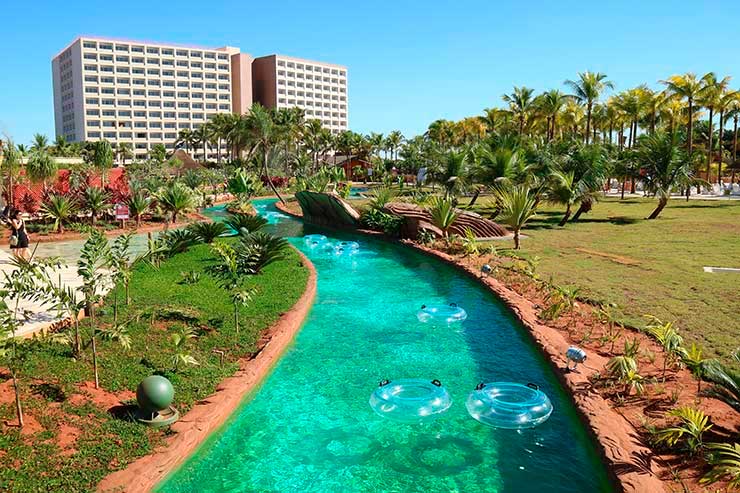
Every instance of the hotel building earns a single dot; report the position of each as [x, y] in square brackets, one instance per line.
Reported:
[144, 93]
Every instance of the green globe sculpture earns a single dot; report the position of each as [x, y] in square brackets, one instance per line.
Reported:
[155, 395]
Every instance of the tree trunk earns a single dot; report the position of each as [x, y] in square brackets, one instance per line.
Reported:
[709, 146]
[691, 126]
[588, 120]
[624, 184]
[565, 217]
[269, 180]
[236, 318]
[475, 197]
[719, 146]
[95, 359]
[18, 405]
[661, 204]
[586, 206]
[734, 149]
[516, 239]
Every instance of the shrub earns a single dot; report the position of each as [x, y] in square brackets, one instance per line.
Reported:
[208, 231]
[245, 222]
[378, 220]
[60, 209]
[693, 424]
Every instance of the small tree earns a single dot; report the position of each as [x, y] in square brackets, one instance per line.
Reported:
[91, 267]
[443, 215]
[668, 337]
[139, 201]
[231, 270]
[60, 209]
[122, 264]
[175, 199]
[179, 343]
[692, 426]
[95, 201]
[102, 158]
[517, 206]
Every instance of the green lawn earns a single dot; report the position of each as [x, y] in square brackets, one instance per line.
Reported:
[160, 305]
[650, 267]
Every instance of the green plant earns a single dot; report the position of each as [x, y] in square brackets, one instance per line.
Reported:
[381, 196]
[189, 277]
[726, 383]
[95, 201]
[60, 208]
[122, 264]
[470, 243]
[208, 231]
[378, 220]
[139, 201]
[94, 259]
[607, 315]
[425, 237]
[725, 461]
[517, 206]
[669, 339]
[178, 241]
[692, 426]
[180, 340]
[261, 249]
[245, 222]
[443, 215]
[632, 348]
[620, 366]
[175, 199]
[694, 360]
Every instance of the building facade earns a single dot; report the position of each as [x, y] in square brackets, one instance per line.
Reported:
[320, 89]
[145, 93]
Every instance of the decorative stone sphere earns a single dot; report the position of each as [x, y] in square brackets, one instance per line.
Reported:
[155, 393]
[576, 354]
[486, 269]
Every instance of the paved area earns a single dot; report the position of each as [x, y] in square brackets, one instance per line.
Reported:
[38, 316]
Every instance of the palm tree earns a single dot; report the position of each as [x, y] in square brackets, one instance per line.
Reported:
[9, 167]
[184, 137]
[710, 98]
[40, 142]
[665, 165]
[202, 135]
[138, 202]
[175, 198]
[41, 167]
[102, 159]
[521, 103]
[454, 174]
[443, 214]
[689, 87]
[125, 151]
[587, 89]
[264, 135]
[393, 143]
[95, 201]
[550, 103]
[517, 205]
[60, 208]
[734, 113]
[725, 104]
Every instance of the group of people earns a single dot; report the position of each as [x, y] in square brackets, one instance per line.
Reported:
[13, 218]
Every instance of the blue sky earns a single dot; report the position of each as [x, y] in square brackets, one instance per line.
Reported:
[409, 62]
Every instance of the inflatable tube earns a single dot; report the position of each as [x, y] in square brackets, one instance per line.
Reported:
[509, 405]
[441, 313]
[348, 245]
[410, 400]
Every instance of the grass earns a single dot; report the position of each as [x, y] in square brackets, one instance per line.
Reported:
[649, 267]
[160, 305]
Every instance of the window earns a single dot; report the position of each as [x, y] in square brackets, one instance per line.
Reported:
[91, 68]
[152, 50]
[91, 90]
[90, 44]
[92, 112]
[184, 115]
[93, 123]
[167, 51]
[122, 59]
[121, 47]
[124, 113]
[123, 80]
[152, 61]
[137, 60]
[138, 71]
[182, 52]
[90, 56]
[139, 114]
[137, 49]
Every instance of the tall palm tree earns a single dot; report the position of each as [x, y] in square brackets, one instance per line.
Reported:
[734, 113]
[201, 136]
[521, 103]
[725, 104]
[631, 103]
[550, 103]
[710, 98]
[687, 86]
[652, 102]
[587, 89]
[312, 131]
[264, 135]
[393, 143]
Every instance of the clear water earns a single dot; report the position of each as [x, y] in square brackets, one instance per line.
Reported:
[309, 427]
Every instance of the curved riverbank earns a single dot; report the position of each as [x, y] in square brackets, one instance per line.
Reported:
[617, 439]
[209, 414]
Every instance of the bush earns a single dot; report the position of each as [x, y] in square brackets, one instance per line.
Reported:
[378, 220]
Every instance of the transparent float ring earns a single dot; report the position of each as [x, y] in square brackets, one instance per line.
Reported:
[410, 400]
[349, 245]
[441, 313]
[509, 405]
[314, 239]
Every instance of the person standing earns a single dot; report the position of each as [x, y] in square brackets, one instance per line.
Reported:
[18, 236]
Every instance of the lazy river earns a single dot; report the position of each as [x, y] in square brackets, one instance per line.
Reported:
[309, 427]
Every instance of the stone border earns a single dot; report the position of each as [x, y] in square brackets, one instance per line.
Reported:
[210, 413]
[628, 461]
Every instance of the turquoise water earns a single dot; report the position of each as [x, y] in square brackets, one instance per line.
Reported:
[309, 427]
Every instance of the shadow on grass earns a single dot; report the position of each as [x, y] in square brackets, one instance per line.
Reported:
[551, 220]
